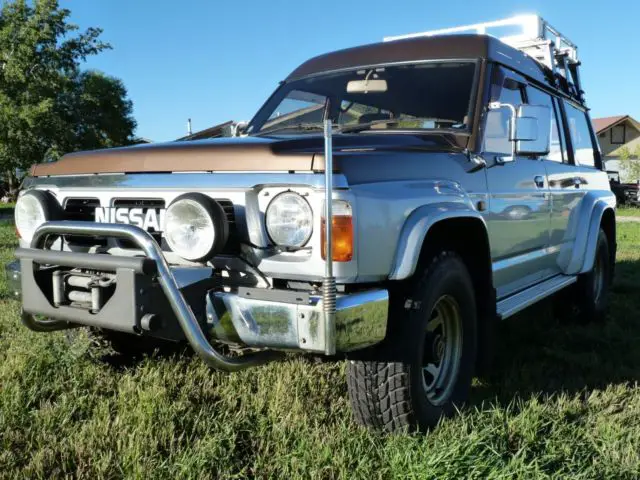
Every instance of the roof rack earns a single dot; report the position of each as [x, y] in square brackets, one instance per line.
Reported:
[536, 38]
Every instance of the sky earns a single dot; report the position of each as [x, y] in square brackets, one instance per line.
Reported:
[218, 60]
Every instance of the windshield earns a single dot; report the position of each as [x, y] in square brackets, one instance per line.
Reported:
[427, 96]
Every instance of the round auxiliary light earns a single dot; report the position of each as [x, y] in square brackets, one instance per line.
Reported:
[34, 208]
[289, 220]
[195, 227]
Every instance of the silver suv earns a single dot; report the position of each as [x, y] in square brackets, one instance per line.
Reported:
[460, 175]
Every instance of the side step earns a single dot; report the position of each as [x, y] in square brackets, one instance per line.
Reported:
[515, 303]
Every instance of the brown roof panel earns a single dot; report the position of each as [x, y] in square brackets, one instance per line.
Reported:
[411, 50]
[445, 47]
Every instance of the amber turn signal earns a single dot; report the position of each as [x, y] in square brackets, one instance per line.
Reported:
[342, 233]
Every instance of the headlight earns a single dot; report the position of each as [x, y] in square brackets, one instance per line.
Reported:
[289, 220]
[196, 227]
[33, 209]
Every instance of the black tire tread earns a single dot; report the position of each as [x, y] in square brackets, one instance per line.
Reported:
[380, 392]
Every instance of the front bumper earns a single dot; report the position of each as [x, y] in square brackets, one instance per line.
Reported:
[240, 318]
[149, 298]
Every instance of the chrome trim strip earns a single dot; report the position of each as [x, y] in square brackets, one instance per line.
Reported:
[526, 257]
[221, 181]
[167, 281]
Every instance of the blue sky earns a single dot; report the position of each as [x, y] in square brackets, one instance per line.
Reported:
[215, 60]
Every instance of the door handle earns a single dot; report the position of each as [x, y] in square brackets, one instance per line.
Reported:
[539, 181]
[577, 182]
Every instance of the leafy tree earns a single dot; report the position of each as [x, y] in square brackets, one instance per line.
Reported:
[48, 106]
[95, 113]
[630, 163]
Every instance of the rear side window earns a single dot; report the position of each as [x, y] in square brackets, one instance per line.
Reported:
[578, 125]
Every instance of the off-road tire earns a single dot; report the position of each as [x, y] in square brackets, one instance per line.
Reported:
[590, 300]
[388, 391]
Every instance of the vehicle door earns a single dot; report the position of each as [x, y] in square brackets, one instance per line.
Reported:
[564, 188]
[519, 205]
[586, 174]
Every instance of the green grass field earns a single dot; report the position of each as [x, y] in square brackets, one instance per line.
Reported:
[628, 211]
[563, 402]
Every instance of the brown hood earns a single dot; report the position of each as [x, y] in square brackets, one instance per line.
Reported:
[303, 153]
[247, 154]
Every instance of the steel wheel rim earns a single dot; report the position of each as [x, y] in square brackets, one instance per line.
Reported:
[598, 281]
[443, 350]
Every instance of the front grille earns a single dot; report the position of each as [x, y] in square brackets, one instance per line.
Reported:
[229, 211]
[233, 244]
[82, 209]
[144, 203]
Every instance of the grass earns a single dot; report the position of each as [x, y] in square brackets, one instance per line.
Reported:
[563, 401]
[628, 211]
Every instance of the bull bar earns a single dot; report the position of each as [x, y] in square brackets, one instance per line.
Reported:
[183, 313]
[272, 320]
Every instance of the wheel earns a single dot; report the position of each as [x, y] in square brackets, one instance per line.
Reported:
[424, 369]
[592, 288]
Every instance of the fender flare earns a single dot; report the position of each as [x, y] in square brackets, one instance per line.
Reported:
[578, 256]
[415, 230]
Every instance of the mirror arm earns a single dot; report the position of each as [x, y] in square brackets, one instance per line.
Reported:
[512, 122]
[477, 162]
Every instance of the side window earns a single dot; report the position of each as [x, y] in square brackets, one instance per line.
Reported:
[496, 136]
[557, 152]
[578, 125]
[297, 107]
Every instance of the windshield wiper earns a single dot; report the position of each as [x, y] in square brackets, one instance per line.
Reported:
[305, 127]
[368, 126]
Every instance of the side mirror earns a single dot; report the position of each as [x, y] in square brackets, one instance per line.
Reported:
[531, 130]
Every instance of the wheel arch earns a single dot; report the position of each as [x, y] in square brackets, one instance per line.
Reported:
[464, 232]
[608, 224]
[577, 257]
[422, 224]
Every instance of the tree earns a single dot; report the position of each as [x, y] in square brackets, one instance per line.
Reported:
[630, 163]
[94, 113]
[48, 105]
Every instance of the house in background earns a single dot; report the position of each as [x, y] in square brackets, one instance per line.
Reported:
[614, 134]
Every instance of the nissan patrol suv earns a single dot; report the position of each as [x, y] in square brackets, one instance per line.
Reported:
[387, 205]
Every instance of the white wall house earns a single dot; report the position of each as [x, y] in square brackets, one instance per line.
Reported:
[615, 133]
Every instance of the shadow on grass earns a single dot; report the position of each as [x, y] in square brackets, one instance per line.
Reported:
[541, 354]
[125, 355]
[120, 362]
